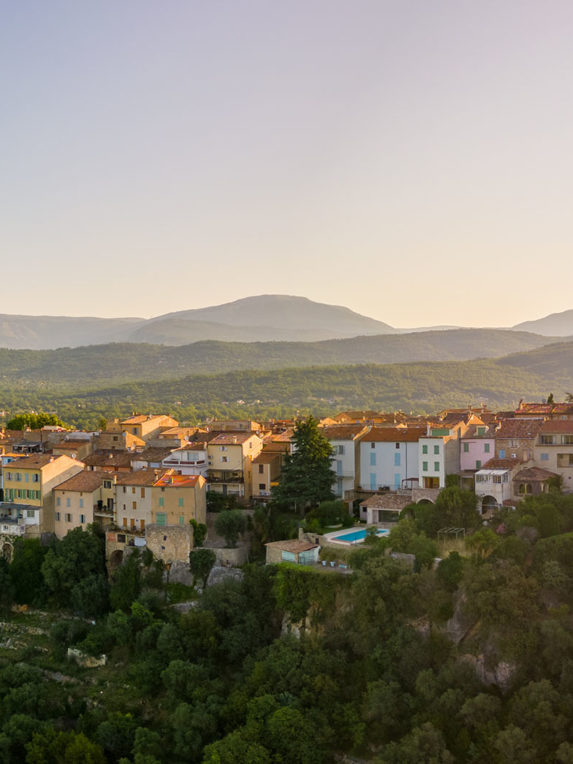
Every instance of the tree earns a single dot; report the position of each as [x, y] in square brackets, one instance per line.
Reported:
[200, 563]
[230, 524]
[126, 584]
[6, 586]
[306, 478]
[53, 747]
[34, 421]
[199, 532]
[26, 571]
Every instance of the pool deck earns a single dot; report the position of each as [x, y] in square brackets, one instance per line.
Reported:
[334, 537]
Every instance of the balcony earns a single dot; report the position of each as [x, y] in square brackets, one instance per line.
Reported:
[12, 526]
[225, 476]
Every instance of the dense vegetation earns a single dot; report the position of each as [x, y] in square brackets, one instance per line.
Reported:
[421, 388]
[122, 362]
[470, 660]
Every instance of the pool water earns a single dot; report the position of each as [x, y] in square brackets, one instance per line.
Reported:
[360, 535]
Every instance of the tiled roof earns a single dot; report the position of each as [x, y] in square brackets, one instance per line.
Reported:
[151, 455]
[109, 458]
[267, 457]
[519, 428]
[472, 432]
[557, 426]
[37, 461]
[343, 431]
[139, 477]
[535, 474]
[501, 464]
[231, 438]
[86, 481]
[292, 545]
[177, 481]
[397, 434]
[392, 501]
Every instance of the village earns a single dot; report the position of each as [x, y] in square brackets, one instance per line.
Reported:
[147, 481]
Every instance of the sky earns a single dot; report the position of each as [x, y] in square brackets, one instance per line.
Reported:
[408, 159]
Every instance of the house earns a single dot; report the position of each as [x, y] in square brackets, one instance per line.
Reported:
[516, 438]
[439, 449]
[533, 481]
[388, 457]
[148, 426]
[81, 500]
[75, 448]
[230, 456]
[345, 441]
[494, 483]
[150, 458]
[109, 461]
[544, 410]
[190, 459]
[477, 446]
[554, 449]
[384, 508]
[114, 438]
[292, 550]
[30, 481]
[177, 499]
[133, 499]
[266, 469]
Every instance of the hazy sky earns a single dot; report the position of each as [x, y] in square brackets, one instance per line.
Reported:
[412, 160]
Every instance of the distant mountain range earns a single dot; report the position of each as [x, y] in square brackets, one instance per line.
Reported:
[122, 362]
[264, 318]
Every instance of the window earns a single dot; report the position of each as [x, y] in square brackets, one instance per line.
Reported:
[502, 453]
[35, 478]
[142, 493]
[134, 505]
[26, 476]
[397, 445]
[546, 440]
[38, 495]
[180, 501]
[396, 460]
[486, 448]
[262, 486]
[9, 476]
[181, 520]
[373, 445]
[30, 513]
[68, 502]
[58, 502]
[568, 440]
[68, 518]
[261, 469]
[424, 449]
[224, 458]
[436, 449]
[161, 518]
[373, 459]
[124, 489]
[58, 517]
[340, 450]
[478, 464]
[372, 481]
[397, 481]
[466, 447]
[222, 448]
[544, 457]
[161, 501]
[82, 519]
[81, 503]
[339, 466]
[424, 466]
[132, 489]
[436, 466]
[107, 483]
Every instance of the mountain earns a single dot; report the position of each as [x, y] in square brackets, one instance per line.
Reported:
[121, 362]
[555, 325]
[62, 331]
[252, 319]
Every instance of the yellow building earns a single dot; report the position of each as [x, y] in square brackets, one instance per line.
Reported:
[148, 426]
[230, 457]
[81, 500]
[31, 481]
[177, 499]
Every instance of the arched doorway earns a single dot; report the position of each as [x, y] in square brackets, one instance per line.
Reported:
[488, 504]
[7, 551]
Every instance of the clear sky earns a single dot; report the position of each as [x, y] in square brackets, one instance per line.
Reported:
[411, 159]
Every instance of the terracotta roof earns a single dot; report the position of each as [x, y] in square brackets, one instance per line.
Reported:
[267, 457]
[391, 434]
[231, 438]
[472, 432]
[500, 464]
[292, 545]
[343, 431]
[139, 477]
[564, 426]
[86, 481]
[175, 480]
[37, 461]
[109, 458]
[391, 501]
[519, 428]
[152, 454]
[535, 474]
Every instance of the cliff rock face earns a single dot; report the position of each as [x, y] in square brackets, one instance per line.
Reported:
[460, 623]
[500, 675]
[219, 574]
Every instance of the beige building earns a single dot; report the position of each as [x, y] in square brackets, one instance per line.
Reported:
[83, 499]
[148, 426]
[553, 450]
[114, 437]
[177, 499]
[230, 457]
[266, 469]
[133, 492]
[31, 482]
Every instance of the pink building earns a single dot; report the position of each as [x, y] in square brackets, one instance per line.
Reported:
[477, 446]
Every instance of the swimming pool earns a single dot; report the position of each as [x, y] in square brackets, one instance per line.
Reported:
[355, 537]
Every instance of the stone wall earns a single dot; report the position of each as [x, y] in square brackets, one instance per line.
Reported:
[170, 543]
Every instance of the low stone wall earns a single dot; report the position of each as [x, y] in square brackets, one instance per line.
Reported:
[170, 543]
[231, 558]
